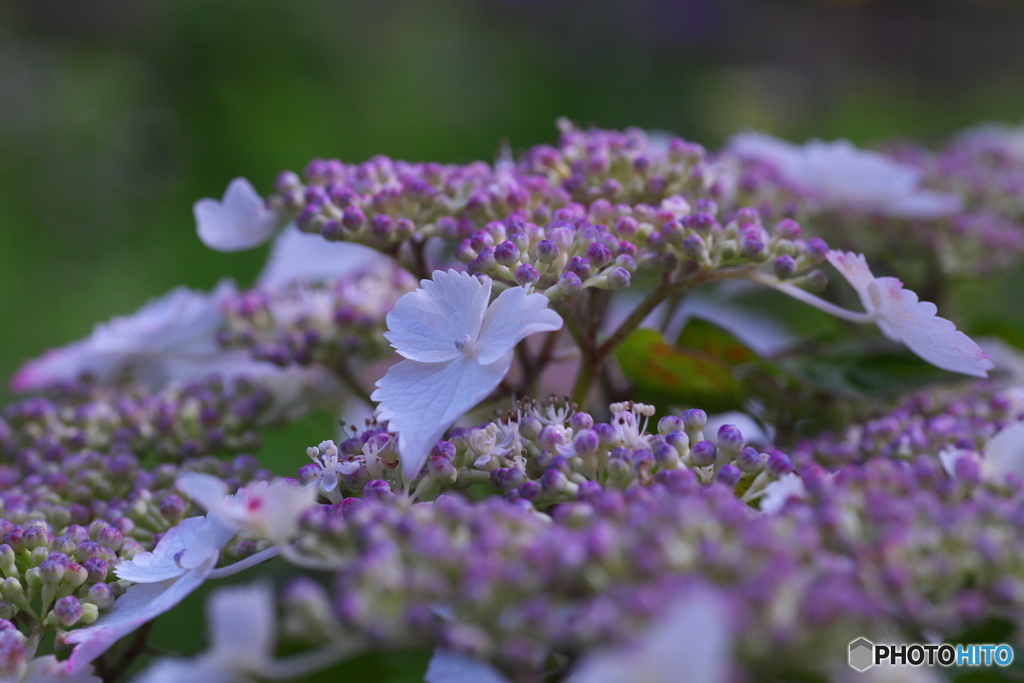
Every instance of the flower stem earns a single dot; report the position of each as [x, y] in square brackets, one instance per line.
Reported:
[242, 565]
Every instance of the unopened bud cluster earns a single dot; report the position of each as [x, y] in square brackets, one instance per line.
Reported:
[182, 421]
[306, 323]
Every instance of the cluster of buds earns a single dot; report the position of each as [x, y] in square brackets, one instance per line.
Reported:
[182, 421]
[62, 580]
[547, 452]
[497, 580]
[603, 246]
[922, 424]
[325, 323]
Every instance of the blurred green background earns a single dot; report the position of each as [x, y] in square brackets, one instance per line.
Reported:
[116, 116]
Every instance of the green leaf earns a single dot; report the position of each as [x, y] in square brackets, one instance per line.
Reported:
[664, 375]
[854, 371]
[707, 337]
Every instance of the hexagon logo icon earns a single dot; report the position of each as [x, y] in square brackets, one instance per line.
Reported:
[862, 654]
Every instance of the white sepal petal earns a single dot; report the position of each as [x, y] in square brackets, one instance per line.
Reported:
[514, 316]
[241, 220]
[424, 324]
[420, 401]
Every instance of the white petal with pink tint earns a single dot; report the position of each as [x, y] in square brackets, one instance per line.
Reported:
[905, 319]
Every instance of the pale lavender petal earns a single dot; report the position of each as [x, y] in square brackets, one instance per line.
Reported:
[241, 625]
[241, 220]
[424, 324]
[915, 323]
[420, 401]
[300, 256]
[514, 316]
[451, 667]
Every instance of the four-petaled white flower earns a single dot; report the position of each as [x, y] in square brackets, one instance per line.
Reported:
[180, 563]
[838, 175]
[456, 350]
[156, 343]
[240, 621]
[241, 220]
[905, 319]
[269, 511]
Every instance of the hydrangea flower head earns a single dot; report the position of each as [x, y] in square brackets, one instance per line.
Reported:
[841, 176]
[241, 220]
[905, 319]
[152, 341]
[456, 349]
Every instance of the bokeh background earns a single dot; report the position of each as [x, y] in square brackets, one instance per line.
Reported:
[116, 116]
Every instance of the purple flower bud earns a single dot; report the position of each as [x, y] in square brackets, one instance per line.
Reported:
[729, 475]
[619, 279]
[701, 221]
[705, 205]
[666, 456]
[383, 227]
[96, 569]
[580, 266]
[110, 538]
[68, 610]
[730, 440]
[585, 442]
[778, 464]
[100, 595]
[750, 460]
[285, 181]
[626, 226]
[788, 229]
[817, 249]
[75, 575]
[445, 449]
[547, 251]
[599, 254]
[694, 419]
[748, 215]
[581, 420]
[506, 253]
[353, 218]
[377, 489]
[35, 537]
[526, 274]
[784, 267]
[442, 470]
[695, 248]
[554, 482]
[51, 571]
[530, 427]
[703, 454]
[753, 247]
[671, 423]
[569, 284]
